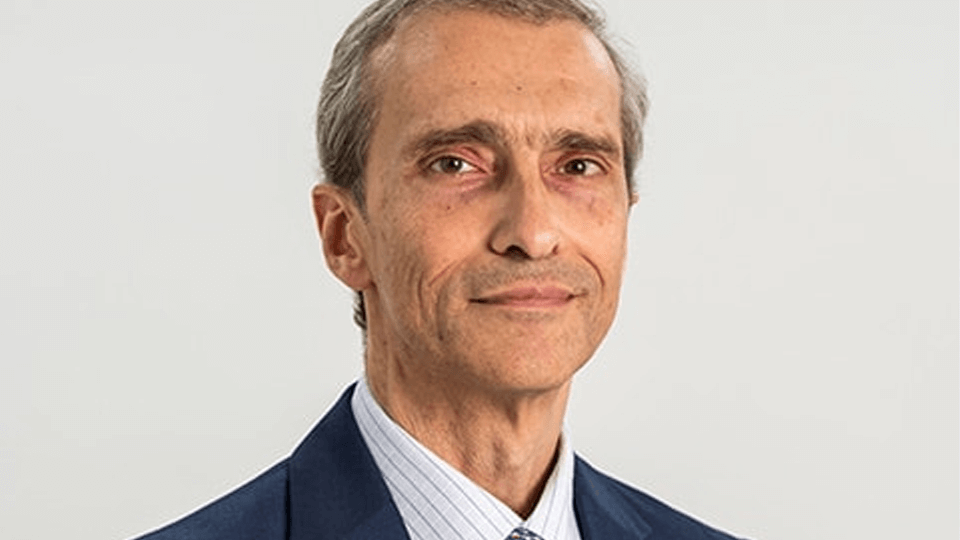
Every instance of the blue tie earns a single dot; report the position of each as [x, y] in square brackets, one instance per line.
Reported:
[523, 534]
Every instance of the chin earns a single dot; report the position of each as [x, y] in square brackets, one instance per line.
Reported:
[532, 352]
[523, 367]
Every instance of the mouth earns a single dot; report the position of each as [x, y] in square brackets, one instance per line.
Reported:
[529, 297]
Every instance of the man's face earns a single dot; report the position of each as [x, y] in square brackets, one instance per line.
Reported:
[496, 201]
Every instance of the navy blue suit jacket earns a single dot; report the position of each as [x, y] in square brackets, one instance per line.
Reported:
[330, 488]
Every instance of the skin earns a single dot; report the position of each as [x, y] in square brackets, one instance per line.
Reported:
[492, 249]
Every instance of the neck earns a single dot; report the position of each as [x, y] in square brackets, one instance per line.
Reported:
[506, 441]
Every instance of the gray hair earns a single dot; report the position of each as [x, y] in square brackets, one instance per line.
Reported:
[348, 102]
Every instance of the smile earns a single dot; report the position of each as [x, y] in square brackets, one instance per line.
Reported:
[529, 297]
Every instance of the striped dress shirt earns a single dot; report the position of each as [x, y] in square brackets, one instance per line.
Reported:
[437, 502]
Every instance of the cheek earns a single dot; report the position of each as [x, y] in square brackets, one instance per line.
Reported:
[600, 224]
[397, 263]
[600, 237]
[418, 253]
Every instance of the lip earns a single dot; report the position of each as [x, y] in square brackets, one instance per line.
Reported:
[529, 297]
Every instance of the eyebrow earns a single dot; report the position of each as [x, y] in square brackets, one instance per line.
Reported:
[480, 132]
[576, 140]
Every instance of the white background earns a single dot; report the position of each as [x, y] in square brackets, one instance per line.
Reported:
[785, 360]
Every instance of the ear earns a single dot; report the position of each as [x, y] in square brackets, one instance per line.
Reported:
[343, 233]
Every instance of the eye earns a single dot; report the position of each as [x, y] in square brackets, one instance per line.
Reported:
[581, 167]
[451, 165]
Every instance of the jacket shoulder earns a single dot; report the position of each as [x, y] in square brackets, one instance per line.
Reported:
[626, 504]
[256, 510]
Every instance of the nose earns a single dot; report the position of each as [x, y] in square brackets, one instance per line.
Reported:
[528, 226]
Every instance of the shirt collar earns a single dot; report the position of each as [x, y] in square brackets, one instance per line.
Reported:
[438, 502]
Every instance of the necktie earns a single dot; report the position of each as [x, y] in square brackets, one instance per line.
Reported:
[523, 534]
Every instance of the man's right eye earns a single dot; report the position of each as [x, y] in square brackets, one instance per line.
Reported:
[451, 165]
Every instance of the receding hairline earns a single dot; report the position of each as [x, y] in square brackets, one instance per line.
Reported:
[377, 58]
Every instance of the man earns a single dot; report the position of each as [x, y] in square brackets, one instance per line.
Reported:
[478, 157]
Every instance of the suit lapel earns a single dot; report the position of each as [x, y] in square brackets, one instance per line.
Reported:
[336, 490]
[601, 513]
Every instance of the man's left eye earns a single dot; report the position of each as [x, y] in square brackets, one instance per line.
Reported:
[581, 167]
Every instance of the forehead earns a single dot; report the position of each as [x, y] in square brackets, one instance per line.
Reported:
[459, 31]
[454, 66]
